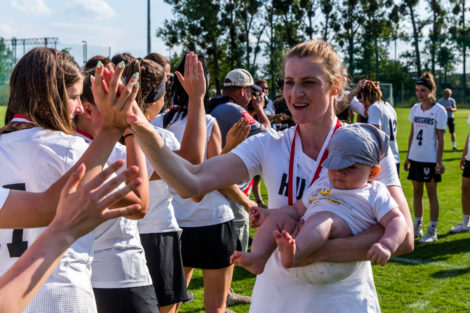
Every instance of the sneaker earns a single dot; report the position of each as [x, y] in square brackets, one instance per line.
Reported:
[459, 228]
[455, 149]
[418, 230]
[235, 299]
[189, 297]
[431, 235]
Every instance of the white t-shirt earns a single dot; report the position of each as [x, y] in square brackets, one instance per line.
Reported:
[119, 260]
[357, 107]
[360, 208]
[3, 196]
[384, 115]
[268, 155]
[468, 152]
[160, 217]
[32, 160]
[214, 208]
[425, 124]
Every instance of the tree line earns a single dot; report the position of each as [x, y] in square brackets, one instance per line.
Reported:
[254, 35]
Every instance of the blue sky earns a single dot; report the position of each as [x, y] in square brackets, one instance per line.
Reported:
[119, 24]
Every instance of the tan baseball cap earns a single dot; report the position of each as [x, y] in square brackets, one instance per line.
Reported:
[239, 78]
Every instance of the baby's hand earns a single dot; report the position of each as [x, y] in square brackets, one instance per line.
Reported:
[379, 253]
[257, 216]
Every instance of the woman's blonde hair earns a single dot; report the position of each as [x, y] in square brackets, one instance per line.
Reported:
[38, 86]
[334, 70]
[371, 92]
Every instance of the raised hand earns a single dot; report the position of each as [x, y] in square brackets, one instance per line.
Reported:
[237, 134]
[193, 81]
[81, 209]
[113, 100]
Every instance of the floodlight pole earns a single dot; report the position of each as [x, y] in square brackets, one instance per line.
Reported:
[85, 50]
[149, 45]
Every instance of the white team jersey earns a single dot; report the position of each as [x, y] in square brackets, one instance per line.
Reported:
[32, 160]
[384, 115]
[360, 208]
[425, 124]
[119, 259]
[160, 217]
[214, 208]
[267, 155]
[3, 196]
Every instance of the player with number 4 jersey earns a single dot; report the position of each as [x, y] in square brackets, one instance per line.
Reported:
[425, 149]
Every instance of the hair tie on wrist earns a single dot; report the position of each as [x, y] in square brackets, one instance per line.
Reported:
[128, 135]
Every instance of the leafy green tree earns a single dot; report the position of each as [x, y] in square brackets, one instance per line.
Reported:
[6, 61]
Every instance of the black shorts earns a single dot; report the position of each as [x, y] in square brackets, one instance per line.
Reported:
[165, 264]
[423, 172]
[125, 300]
[208, 247]
[451, 124]
[466, 169]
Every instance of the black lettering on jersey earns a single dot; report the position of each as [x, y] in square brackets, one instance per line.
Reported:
[300, 190]
[284, 186]
[17, 246]
[423, 120]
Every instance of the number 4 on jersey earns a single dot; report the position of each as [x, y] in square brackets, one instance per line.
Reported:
[419, 137]
[17, 246]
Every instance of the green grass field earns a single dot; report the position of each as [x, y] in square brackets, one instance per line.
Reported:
[434, 278]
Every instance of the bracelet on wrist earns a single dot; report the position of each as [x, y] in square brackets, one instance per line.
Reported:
[128, 135]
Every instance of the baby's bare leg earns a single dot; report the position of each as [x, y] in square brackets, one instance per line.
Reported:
[264, 243]
[316, 230]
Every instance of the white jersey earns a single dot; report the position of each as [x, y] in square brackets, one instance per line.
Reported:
[268, 155]
[425, 124]
[360, 208]
[119, 260]
[214, 208]
[384, 115]
[3, 196]
[160, 217]
[32, 160]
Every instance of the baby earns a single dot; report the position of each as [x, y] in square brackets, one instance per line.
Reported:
[341, 204]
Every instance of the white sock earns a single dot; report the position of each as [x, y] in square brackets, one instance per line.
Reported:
[418, 220]
[453, 144]
[433, 224]
[466, 218]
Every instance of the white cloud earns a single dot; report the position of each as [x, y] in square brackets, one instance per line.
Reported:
[34, 7]
[6, 30]
[91, 8]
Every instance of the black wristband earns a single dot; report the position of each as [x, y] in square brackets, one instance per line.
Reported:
[128, 135]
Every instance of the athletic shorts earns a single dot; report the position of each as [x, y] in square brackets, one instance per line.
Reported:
[451, 124]
[208, 247]
[423, 172]
[466, 169]
[165, 264]
[125, 300]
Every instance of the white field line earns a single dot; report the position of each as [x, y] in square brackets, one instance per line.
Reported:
[418, 262]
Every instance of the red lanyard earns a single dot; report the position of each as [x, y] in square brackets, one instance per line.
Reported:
[21, 118]
[84, 134]
[322, 156]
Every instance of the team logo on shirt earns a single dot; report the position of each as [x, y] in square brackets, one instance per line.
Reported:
[423, 120]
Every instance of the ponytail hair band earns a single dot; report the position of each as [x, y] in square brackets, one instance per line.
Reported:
[157, 93]
[425, 83]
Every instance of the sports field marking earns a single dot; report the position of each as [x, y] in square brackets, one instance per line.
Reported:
[417, 261]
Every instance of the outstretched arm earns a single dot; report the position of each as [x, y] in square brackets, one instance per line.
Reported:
[80, 210]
